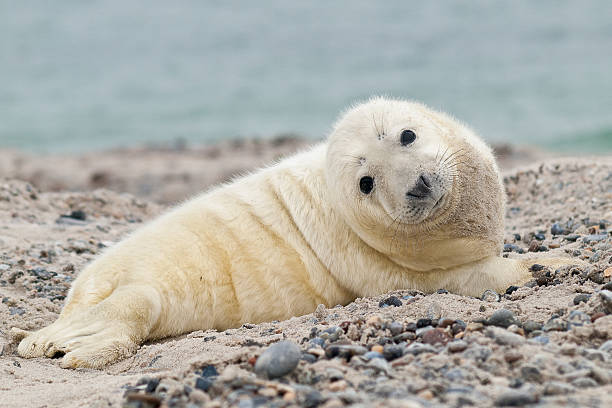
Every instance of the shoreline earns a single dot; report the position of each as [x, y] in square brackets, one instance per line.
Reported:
[171, 174]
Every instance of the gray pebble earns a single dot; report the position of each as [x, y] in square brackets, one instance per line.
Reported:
[477, 352]
[594, 238]
[4, 267]
[515, 398]
[531, 326]
[583, 297]
[504, 337]
[418, 348]
[539, 340]
[490, 296]
[557, 388]
[503, 318]
[380, 365]
[606, 300]
[278, 360]
[396, 328]
[457, 346]
[531, 373]
[577, 318]
[555, 324]
[606, 347]
[372, 354]
[584, 382]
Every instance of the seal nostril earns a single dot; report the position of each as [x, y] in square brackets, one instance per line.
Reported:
[425, 180]
[422, 188]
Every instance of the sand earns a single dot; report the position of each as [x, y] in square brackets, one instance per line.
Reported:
[42, 248]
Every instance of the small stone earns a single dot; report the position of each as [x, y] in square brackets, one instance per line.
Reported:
[534, 246]
[278, 360]
[590, 239]
[572, 237]
[557, 388]
[607, 272]
[531, 326]
[320, 312]
[418, 348]
[606, 300]
[203, 384]
[390, 301]
[374, 321]
[606, 347]
[515, 398]
[490, 296]
[504, 337]
[372, 354]
[584, 382]
[540, 340]
[577, 318]
[377, 348]
[345, 351]
[511, 289]
[512, 356]
[582, 297]
[338, 386]
[511, 248]
[555, 324]
[445, 322]
[423, 323]
[392, 352]
[396, 328]
[502, 318]
[4, 267]
[16, 311]
[380, 365]
[531, 374]
[457, 346]
[539, 236]
[557, 229]
[436, 336]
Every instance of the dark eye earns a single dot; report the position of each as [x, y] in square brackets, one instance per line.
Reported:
[366, 184]
[407, 137]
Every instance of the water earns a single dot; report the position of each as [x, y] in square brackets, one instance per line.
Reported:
[81, 74]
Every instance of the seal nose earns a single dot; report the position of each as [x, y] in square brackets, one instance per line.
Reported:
[422, 188]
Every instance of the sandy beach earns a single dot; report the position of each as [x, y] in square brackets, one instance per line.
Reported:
[547, 343]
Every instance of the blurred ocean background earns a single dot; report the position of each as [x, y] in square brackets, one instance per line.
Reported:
[80, 75]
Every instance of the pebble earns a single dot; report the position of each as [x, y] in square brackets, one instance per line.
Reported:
[320, 312]
[423, 323]
[572, 237]
[331, 334]
[584, 382]
[278, 360]
[380, 365]
[504, 337]
[593, 238]
[606, 347]
[4, 267]
[557, 388]
[373, 354]
[515, 398]
[539, 340]
[396, 328]
[390, 301]
[392, 352]
[606, 300]
[436, 336]
[511, 290]
[531, 326]
[555, 324]
[577, 318]
[457, 346]
[582, 297]
[418, 348]
[512, 356]
[502, 318]
[557, 229]
[490, 296]
[344, 351]
[539, 236]
[531, 373]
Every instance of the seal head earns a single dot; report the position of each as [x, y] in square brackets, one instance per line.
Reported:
[397, 169]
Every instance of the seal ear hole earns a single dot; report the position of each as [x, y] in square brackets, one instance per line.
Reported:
[366, 184]
[407, 137]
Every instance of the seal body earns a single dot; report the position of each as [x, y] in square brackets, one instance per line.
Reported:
[398, 197]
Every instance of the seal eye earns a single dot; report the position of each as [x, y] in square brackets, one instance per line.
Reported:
[407, 137]
[366, 184]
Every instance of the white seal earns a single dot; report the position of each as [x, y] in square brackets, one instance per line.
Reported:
[398, 197]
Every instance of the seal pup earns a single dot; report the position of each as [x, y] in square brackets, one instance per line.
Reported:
[398, 197]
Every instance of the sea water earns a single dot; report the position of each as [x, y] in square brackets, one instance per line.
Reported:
[89, 74]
